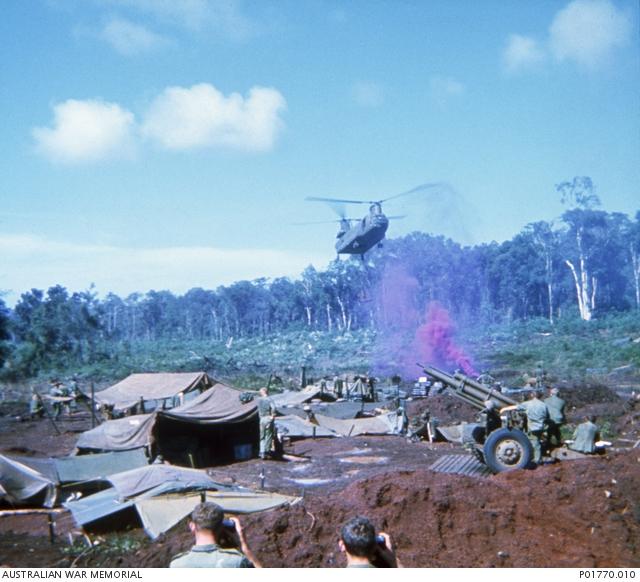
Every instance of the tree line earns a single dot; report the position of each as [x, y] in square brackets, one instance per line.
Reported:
[585, 264]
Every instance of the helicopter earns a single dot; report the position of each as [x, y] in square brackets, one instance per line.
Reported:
[357, 236]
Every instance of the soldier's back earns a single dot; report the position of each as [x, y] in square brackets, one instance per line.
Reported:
[556, 405]
[211, 556]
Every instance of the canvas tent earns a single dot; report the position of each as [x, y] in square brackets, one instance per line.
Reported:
[211, 428]
[35, 481]
[164, 388]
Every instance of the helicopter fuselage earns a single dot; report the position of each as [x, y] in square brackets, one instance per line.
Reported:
[358, 237]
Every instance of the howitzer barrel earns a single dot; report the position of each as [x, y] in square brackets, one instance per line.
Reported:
[469, 390]
[496, 395]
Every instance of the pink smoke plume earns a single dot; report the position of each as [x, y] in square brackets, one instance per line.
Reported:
[402, 341]
[434, 343]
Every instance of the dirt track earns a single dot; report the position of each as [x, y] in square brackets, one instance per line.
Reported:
[577, 513]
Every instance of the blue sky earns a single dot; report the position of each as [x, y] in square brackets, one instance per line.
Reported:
[166, 144]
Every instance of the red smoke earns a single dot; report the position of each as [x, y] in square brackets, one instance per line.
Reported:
[398, 319]
[433, 343]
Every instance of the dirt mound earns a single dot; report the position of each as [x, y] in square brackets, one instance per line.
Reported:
[579, 396]
[575, 514]
[628, 425]
[447, 409]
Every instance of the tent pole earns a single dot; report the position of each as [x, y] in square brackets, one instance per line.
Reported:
[53, 422]
[52, 527]
[93, 405]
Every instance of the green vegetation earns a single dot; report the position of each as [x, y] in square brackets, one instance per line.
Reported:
[564, 296]
[606, 348]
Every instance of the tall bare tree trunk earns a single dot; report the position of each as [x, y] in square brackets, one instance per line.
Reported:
[635, 266]
[585, 286]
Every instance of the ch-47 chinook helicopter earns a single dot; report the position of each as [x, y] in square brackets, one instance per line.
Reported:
[357, 236]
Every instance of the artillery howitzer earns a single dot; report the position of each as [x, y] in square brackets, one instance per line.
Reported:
[503, 445]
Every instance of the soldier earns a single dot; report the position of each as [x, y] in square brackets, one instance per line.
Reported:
[371, 386]
[208, 527]
[107, 411]
[74, 392]
[363, 548]
[56, 392]
[402, 421]
[585, 436]
[491, 417]
[267, 413]
[36, 408]
[337, 386]
[537, 418]
[419, 426]
[556, 405]
[486, 379]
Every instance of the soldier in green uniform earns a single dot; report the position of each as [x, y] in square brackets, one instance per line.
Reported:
[267, 414]
[56, 392]
[556, 406]
[585, 436]
[537, 418]
[365, 549]
[207, 526]
[36, 408]
[74, 392]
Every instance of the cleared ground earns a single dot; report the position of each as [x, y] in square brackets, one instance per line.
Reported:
[578, 513]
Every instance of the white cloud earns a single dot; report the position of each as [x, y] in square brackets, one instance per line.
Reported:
[200, 116]
[367, 94]
[34, 262]
[178, 119]
[587, 31]
[443, 89]
[86, 131]
[223, 17]
[129, 38]
[522, 52]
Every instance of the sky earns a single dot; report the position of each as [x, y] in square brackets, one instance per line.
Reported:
[167, 144]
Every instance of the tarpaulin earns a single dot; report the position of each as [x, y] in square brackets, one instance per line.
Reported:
[137, 481]
[294, 397]
[77, 469]
[382, 424]
[160, 386]
[22, 484]
[81, 468]
[131, 432]
[296, 427]
[163, 506]
[159, 514]
[221, 404]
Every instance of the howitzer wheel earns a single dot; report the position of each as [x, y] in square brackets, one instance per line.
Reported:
[507, 449]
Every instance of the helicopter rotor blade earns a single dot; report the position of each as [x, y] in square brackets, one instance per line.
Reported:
[397, 217]
[340, 200]
[320, 222]
[420, 188]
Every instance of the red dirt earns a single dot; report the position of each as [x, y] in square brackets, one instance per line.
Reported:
[447, 409]
[525, 519]
[582, 513]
